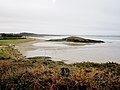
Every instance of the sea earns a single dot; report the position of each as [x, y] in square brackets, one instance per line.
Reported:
[73, 52]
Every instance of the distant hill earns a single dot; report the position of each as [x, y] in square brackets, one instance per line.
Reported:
[31, 34]
[5, 36]
[36, 35]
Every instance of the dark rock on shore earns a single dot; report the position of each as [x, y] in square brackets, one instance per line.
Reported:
[40, 57]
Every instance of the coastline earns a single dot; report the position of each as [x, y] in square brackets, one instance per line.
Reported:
[26, 46]
[71, 53]
[19, 72]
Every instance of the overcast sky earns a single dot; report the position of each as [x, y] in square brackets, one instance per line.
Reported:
[60, 16]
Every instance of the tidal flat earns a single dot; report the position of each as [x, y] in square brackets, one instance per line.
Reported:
[76, 52]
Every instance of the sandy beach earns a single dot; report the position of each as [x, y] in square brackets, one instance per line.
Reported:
[27, 46]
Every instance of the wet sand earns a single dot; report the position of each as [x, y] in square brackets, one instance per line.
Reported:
[28, 46]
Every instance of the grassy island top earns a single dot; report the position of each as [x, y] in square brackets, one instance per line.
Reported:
[77, 39]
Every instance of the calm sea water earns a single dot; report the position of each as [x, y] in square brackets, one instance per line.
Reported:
[101, 53]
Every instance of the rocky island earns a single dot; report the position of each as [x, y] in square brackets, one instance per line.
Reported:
[77, 39]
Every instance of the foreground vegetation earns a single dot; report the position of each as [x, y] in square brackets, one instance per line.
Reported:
[4, 54]
[20, 73]
[77, 39]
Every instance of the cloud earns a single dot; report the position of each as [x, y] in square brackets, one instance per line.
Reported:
[65, 16]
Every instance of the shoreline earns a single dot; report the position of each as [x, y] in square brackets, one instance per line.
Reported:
[87, 53]
[26, 46]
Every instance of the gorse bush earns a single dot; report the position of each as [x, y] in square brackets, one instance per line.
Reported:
[35, 75]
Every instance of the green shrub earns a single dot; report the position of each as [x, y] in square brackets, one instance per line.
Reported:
[87, 64]
[4, 54]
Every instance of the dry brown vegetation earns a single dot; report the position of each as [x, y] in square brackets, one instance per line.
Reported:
[39, 74]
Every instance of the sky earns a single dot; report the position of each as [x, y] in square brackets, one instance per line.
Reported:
[88, 17]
